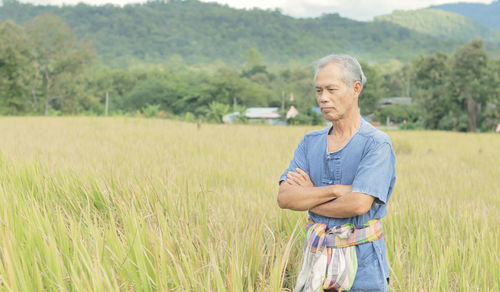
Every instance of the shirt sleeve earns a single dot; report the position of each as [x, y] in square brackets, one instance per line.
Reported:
[299, 160]
[375, 175]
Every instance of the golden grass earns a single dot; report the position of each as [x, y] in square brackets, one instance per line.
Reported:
[109, 204]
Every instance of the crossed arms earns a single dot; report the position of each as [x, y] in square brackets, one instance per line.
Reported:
[338, 201]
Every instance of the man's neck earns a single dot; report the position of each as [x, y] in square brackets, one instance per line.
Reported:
[347, 126]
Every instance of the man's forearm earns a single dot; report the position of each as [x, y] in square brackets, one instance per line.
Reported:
[301, 198]
[348, 205]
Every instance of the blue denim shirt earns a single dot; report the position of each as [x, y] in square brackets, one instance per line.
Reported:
[366, 162]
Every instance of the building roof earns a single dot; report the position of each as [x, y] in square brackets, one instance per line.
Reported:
[395, 100]
[262, 113]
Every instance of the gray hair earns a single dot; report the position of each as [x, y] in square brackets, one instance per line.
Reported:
[352, 69]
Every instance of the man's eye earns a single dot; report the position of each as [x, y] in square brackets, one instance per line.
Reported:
[318, 90]
[331, 89]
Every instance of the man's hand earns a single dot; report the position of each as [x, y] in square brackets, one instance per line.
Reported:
[298, 192]
[299, 178]
[342, 189]
[347, 205]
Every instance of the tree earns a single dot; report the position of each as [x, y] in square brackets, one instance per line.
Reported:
[398, 113]
[216, 111]
[491, 115]
[372, 90]
[225, 86]
[116, 83]
[253, 58]
[431, 78]
[60, 59]
[15, 60]
[470, 81]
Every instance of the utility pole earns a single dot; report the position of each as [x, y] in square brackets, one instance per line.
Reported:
[282, 99]
[107, 103]
[234, 103]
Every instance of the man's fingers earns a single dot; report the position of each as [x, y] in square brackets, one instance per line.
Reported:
[297, 179]
[300, 178]
[303, 173]
[291, 178]
[294, 175]
[292, 181]
[304, 177]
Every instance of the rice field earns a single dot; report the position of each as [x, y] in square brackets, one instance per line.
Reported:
[128, 204]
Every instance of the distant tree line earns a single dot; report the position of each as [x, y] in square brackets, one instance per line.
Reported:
[458, 92]
[45, 69]
[202, 32]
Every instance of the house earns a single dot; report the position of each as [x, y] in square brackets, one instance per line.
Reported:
[268, 115]
[262, 113]
[394, 100]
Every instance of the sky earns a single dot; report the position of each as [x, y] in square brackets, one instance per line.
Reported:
[355, 9]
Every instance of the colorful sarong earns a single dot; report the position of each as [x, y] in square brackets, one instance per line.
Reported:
[330, 260]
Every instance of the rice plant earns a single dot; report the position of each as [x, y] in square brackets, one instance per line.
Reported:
[126, 204]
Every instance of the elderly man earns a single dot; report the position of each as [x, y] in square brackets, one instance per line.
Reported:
[343, 175]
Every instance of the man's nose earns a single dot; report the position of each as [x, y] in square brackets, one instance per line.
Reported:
[322, 97]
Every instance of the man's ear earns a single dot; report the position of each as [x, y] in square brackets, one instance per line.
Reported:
[357, 87]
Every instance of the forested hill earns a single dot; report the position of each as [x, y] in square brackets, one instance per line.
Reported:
[442, 24]
[207, 32]
[485, 14]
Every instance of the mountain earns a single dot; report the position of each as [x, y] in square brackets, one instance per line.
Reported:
[206, 32]
[441, 24]
[485, 14]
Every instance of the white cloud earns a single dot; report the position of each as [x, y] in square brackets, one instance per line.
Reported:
[356, 9]
[74, 2]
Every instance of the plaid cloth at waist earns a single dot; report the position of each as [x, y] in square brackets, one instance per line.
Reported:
[347, 234]
[330, 260]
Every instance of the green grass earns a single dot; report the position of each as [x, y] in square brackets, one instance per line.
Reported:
[122, 204]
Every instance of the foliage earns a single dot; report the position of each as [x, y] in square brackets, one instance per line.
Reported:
[431, 79]
[45, 69]
[151, 111]
[490, 116]
[418, 125]
[485, 14]
[441, 24]
[15, 70]
[398, 113]
[242, 118]
[216, 111]
[206, 32]
[470, 80]
[453, 91]
[372, 90]
[59, 63]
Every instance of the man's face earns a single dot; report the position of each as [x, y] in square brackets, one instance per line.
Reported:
[334, 96]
